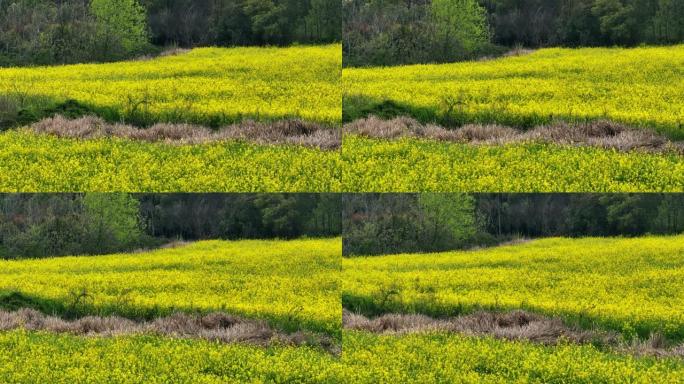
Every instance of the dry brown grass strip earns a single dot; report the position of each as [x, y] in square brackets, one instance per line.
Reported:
[219, 327]
[295, 132]
[602, 134]
[514, 325]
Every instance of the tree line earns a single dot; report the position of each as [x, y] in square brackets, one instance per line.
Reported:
[42, 32]
[391, 32]
[43, 225]
[189, 23]
[403, 223]
[538, 23]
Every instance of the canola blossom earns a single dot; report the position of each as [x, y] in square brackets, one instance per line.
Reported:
[642, 87]
[450, 358]
[28, 357]
[292, 284]
[634, 286]
[43, 163]
[419, 165]
[367, 358]
[208, 86]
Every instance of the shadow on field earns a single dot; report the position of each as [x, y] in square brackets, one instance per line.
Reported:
[79, 304]
[387, 300]
[13, 301]
[452, 112]
[215, 326]
[21, 110]
[515, 325]
[18, 110]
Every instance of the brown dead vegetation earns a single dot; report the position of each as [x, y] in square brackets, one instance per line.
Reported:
[296, 132]
[517, 51]
[218, 327]
[515, 325]
[171, 51]
[602, 134]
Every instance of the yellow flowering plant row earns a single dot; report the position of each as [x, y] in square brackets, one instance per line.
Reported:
[635, 286]
[208, 86]
[421, 165]
[642, 87]
[44, 163]
[451, 358]
[29, 357]
[367, 358]
[292, 284]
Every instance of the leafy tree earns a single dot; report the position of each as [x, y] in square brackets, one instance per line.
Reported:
[616, 20]
[669, 21]
[459, 24]
[281, 214]
[113, 220]
[450, 217]
[121, 26]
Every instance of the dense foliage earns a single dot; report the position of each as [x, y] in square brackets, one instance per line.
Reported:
[239, 216]
[641, 87]
[381, 32]
[410, 165]
[577, 215]
[537, 23]
[237, 277]
[415, 31]
[243, 22]
[412, 359]
[42, 163]
[393, 223]
[74, 31]
[208, 86]
[404, 223]
[70, 31]
[40, 225]
[44, 225]
[634, 286]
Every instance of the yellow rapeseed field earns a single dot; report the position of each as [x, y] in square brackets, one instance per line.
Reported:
[210, 86]
[44, 163]
[292, 284]
[451, 358]
[635, 286]
[366, 359]
[418, 165]
[638, 86]
[30, 357]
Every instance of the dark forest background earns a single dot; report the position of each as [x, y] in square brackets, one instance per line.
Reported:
[42, 225]
[404, 223]
[40, 32]
[389, 32]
